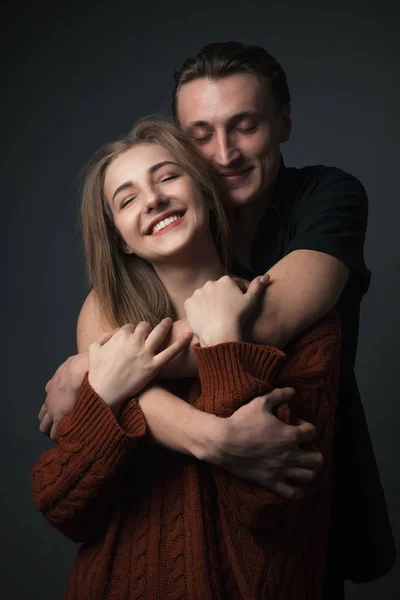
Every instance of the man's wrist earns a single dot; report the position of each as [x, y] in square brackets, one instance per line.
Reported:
[208, 446]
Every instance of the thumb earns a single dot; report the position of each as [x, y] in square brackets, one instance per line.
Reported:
[257, 286]
[277, 397]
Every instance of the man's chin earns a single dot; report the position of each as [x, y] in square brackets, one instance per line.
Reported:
[242, 197]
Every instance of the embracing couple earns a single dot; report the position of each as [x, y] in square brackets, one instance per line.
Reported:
[210, 439]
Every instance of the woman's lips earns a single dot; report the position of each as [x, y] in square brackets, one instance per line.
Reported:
[168, 227]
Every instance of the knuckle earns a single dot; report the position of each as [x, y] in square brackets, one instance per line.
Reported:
[291, 436]
[312, 474]
[285, 458]
[290, 493]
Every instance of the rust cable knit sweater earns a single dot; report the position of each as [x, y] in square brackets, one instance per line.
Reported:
[157, 525]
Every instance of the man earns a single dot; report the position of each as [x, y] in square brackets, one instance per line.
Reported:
[306, 227]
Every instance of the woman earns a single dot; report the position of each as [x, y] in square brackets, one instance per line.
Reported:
[156, 524]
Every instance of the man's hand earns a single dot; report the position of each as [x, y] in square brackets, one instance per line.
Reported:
[61, 391]
[257, 447]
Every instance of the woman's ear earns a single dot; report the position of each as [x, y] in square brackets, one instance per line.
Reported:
[125, 248]
[122, 245]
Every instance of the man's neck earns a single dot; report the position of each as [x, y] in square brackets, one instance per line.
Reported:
[246, 220]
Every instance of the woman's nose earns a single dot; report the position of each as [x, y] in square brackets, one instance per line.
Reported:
[153, 200]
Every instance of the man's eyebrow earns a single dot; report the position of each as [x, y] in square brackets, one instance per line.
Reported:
[195, 124]
[243, 115]
[151, 170]
[232, 119]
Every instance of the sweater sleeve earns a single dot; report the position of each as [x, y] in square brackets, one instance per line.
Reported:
[75, 483]
[232, 374]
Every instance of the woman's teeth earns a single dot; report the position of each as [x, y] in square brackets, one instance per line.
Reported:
[161, 224]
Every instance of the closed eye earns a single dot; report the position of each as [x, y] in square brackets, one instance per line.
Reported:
[247, 129]
[169, 178]
[127, 201]
[203, 140]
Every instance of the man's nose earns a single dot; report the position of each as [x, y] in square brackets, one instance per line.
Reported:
[226, 150]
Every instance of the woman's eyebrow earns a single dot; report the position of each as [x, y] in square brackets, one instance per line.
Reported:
[157, 166]
[122, 187]
[150, 170]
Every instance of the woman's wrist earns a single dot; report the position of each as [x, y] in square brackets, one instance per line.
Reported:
[220, 336]
[108, 395]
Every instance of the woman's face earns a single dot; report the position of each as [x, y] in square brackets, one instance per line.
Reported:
[157, 207]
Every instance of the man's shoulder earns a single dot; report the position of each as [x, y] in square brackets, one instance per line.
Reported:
[319, 185]
[317, 176]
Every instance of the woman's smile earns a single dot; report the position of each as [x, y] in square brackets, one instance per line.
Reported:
[150, 195]
[166, 222]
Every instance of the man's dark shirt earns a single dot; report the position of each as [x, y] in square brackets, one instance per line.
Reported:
[325, 209]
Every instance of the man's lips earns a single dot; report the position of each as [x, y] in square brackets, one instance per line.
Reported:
[237, 177]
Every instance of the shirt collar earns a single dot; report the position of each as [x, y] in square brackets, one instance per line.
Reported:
[275, 203]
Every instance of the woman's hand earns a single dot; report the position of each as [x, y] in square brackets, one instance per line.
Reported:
[123, 364]
[218, 311]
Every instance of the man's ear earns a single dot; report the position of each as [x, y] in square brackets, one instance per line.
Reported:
[286, 123]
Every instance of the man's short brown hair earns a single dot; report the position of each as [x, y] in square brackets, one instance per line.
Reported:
[221, 59]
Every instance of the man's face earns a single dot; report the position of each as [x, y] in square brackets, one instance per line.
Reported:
[237, 125]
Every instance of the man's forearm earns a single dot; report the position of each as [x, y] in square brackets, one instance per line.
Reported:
[184, 364]
[304, 286]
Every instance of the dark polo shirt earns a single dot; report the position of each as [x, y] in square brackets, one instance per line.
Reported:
[325, 209]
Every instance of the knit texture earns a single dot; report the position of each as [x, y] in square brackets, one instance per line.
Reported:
[156, 525]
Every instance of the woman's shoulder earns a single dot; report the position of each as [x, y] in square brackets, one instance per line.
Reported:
[91, 322]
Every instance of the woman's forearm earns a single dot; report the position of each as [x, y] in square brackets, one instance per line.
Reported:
[177, 425]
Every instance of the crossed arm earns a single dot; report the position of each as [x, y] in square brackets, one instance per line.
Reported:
[304, 286]
[75, 483]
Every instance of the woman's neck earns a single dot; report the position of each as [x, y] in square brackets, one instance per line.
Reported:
[182, 278]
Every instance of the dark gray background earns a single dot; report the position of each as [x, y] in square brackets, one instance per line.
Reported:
[78, 76]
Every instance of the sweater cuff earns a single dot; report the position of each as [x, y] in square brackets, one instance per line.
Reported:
[92, 426]
[227, 368]
[132, 419]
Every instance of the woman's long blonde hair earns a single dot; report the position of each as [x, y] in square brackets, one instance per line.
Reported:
[126, 286]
